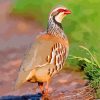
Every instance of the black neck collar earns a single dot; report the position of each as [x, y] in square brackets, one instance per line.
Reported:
[57, 23]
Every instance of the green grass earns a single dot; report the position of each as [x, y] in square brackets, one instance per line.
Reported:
[81, 27]
[91, 68]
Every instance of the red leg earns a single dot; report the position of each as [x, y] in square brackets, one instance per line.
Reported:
[40, 84]
[47, 86]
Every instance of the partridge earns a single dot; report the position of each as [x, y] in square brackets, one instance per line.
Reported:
[47, 54]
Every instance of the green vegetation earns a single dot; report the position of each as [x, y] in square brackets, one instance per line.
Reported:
[91, 68]
[81, 27]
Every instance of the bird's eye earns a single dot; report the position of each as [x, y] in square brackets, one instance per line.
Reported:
[61, 10]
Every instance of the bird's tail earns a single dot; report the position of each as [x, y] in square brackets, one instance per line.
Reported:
[21, 79]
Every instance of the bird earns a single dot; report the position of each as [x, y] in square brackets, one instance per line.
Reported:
[47, 54]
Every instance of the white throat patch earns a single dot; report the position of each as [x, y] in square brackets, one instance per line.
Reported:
[59, 17]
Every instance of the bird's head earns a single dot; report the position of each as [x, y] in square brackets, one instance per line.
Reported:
[59, 13]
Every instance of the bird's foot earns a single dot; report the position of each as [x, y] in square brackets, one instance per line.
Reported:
[45, 92]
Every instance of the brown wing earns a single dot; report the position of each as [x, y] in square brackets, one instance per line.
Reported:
[57, 57]
[36, 56]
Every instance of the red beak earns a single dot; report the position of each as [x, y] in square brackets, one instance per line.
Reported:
[67, 12]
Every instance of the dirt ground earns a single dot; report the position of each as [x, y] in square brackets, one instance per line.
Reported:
[16, 34]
